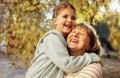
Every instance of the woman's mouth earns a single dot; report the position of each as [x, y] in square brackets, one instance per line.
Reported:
[73, 40]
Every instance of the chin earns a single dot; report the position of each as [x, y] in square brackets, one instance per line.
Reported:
[71, 47]
[66, 33]
[68, 30]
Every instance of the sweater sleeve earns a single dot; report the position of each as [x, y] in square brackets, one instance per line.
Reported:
[56, 50]
[94, 70]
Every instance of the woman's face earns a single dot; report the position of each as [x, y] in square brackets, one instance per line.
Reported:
[65, 20]
[78, 40]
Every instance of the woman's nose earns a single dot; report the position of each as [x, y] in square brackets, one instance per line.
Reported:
[76, 34]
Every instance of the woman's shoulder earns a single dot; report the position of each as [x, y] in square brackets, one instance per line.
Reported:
[94, 66]
[93, 70]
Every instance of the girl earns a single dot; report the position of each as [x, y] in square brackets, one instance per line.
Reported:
[51, 57]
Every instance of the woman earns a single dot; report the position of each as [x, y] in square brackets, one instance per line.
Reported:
[83, 39]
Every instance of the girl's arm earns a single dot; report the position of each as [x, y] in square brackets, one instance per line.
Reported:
[56, 50]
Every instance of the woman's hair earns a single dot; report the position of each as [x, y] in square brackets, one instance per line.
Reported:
[61, 6]
[94, 41]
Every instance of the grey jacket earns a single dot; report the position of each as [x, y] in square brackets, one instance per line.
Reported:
[52, 58]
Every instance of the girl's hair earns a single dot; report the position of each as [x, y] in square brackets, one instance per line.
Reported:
[94, 41]
[61, 6]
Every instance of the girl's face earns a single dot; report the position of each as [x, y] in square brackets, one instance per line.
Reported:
[65, 20]
[78, 40]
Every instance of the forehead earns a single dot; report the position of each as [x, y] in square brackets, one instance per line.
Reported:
[66, 10]
[80, 28]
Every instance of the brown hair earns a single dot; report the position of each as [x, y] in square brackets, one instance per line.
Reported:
[60, 6]
[94, 41]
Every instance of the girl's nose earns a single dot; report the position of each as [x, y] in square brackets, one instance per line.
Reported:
[69, 19]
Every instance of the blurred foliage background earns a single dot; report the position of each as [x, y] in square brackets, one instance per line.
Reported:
[23, 22]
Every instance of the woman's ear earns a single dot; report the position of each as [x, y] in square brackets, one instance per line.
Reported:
[88, 48]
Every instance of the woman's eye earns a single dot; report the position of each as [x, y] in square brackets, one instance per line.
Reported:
[83, 34]
[72, 31]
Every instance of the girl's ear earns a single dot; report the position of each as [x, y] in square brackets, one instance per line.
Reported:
[54, 21]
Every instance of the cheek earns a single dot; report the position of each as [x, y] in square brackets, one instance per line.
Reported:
[87, 42]
[58, 20]
[68, 40]
[83, 41]
[74, 23]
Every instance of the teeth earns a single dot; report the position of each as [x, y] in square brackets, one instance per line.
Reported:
[68, 25]
[73, 40]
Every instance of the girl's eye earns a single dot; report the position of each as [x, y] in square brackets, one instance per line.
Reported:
[73, 18]
[65, 16]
